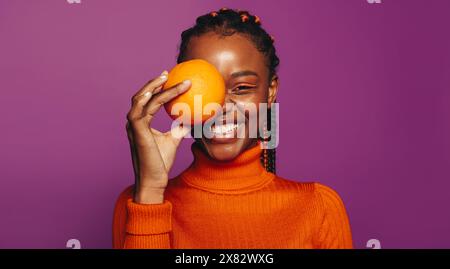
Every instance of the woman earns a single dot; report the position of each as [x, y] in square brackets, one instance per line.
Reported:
[229, 197]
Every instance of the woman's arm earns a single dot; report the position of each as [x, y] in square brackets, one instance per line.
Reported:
[335, 231]
[141, 225]
[142, 215]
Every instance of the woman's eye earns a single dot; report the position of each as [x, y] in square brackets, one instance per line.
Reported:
[242, 89]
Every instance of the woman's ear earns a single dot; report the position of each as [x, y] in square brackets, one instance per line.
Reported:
[273, 89]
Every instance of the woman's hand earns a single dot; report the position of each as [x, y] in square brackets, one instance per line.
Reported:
[153, 152]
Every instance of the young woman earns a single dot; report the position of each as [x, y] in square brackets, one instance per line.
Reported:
[229, 197]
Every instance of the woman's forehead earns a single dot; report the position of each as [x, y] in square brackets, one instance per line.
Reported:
[227, 53]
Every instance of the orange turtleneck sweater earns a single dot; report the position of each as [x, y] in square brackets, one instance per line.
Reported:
[233, 205]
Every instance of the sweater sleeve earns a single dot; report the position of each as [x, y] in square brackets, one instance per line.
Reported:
[335, 231]
[141, 226]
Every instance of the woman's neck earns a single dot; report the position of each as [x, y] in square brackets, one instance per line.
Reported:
[243, 173]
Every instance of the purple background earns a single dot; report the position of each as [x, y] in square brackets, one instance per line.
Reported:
[364, 99]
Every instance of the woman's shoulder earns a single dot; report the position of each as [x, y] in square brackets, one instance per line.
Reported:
[324, 193]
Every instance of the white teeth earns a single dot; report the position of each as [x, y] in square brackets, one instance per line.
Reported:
[224, 129]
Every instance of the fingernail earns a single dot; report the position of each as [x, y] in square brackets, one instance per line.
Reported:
[146, 94]
[186, 82]
[164, 74]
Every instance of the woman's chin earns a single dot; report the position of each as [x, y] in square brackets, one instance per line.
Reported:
[223, 149]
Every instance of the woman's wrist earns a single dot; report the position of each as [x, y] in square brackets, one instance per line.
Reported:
[149, 195]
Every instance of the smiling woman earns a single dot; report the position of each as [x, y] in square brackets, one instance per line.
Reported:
[229, 197]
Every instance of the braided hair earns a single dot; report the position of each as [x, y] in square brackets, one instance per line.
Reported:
[226, 22]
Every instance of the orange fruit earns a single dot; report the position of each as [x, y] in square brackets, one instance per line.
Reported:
[206, 81]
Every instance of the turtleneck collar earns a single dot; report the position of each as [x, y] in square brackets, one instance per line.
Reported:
[243, 174]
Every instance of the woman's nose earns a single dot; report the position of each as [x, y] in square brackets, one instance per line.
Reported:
[228, 100]
[227, 97]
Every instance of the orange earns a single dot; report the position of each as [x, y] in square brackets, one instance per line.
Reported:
[207, 83]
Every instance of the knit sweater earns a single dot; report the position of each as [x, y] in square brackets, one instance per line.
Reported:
[236, 204]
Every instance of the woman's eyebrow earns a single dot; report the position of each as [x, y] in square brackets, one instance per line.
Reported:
[244, 73]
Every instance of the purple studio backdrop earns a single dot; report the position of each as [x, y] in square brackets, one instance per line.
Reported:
[364, 108]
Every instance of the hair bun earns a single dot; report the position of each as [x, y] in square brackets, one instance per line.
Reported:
[257, 20]
[272, 38]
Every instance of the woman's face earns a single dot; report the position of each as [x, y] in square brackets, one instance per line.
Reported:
[246, 75]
